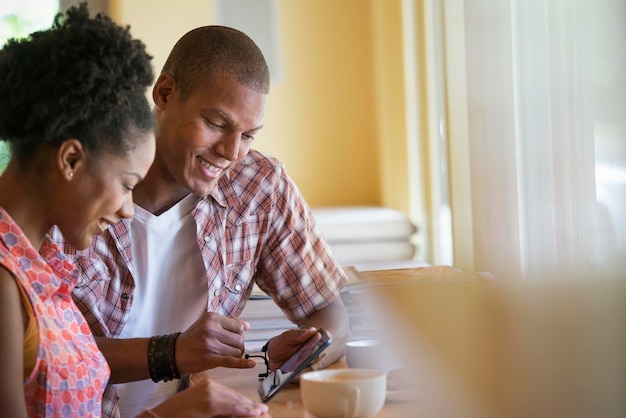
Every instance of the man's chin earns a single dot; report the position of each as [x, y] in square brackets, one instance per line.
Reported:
[202, 190]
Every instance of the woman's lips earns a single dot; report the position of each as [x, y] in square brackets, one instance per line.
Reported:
[103, 226]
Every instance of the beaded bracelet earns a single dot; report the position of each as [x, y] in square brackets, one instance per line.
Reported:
[162, 357]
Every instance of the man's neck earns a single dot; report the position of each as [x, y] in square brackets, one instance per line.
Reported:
[157, 196]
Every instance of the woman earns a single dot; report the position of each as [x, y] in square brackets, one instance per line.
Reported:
[74, 112]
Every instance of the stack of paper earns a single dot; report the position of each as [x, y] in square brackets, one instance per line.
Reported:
[266, 320]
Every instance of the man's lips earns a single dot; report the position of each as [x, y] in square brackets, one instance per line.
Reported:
[209, 169]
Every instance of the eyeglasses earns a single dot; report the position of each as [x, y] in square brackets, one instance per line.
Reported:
[266, 360]
[271, 382]
[268, 388]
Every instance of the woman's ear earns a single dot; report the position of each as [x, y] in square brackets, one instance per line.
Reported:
[70, 158]
[163, 88]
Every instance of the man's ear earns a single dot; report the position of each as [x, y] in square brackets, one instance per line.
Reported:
[70, 158]
[162, 91]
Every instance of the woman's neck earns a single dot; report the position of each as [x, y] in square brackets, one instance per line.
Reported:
[23, 201]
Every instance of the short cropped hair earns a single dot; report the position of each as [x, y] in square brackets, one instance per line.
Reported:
[84, 78]
[208, 50]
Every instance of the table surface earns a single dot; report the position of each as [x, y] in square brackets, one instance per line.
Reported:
[287, 403]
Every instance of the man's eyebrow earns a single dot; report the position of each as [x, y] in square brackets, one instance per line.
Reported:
[228, 120]
[222, 115]
[257, 129]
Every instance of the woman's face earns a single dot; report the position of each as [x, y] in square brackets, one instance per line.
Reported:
[103, 191]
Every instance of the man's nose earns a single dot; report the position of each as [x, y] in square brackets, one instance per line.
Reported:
[228, 146]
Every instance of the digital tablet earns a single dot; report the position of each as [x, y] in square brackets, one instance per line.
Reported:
[299, 361]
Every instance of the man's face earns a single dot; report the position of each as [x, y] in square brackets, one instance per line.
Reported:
[199, 137]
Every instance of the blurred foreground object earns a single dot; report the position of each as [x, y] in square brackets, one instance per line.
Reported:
[483, 347]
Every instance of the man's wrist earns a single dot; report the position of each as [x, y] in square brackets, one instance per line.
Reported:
[162, 357]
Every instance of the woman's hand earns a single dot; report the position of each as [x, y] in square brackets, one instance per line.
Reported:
[207, 398]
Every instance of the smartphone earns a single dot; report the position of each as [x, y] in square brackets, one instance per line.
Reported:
[300, 360]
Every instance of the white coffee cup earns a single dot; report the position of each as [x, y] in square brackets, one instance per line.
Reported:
[371, 354]
[343, 393]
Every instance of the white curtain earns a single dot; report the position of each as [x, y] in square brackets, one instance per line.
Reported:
[545, 91]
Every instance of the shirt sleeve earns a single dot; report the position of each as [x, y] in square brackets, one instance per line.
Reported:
[297, 267]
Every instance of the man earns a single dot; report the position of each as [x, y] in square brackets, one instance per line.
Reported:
[212, 217]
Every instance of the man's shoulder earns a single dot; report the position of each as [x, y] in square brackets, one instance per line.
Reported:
[103, 246]
[258, 158]
[253, 183]
[253, 166]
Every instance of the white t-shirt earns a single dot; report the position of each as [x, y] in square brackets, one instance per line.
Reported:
[170, 290]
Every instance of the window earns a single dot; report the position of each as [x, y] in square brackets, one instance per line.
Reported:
[17, 20]
[545, 136]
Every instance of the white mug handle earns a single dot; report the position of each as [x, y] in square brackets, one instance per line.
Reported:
[352, 395]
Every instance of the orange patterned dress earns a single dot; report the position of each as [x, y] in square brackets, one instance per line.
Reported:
[70, 373]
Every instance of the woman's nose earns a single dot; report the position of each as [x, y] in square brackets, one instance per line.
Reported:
[127, 210]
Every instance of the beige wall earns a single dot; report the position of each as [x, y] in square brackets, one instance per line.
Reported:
[159, 23]
[321, 119]
[336, 116]
[395, 154]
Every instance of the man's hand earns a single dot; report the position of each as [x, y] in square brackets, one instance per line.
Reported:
[212, 341]
[281, 347]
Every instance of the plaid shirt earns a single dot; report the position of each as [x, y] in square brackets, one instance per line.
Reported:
[254, 227]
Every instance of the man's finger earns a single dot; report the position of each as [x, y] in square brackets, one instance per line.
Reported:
[235, 325]
[238, 362]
